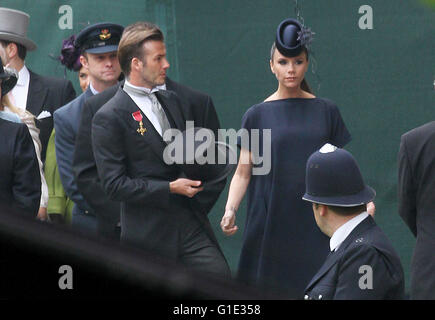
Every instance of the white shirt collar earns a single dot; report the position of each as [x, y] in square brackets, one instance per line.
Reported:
[23, 76]
[94, 92]
[342, 233]
[156, 88]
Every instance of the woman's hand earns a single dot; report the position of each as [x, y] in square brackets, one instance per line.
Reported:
[227, 222]
[42, 214]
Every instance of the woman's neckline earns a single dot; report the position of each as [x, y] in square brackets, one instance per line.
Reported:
[298, 98]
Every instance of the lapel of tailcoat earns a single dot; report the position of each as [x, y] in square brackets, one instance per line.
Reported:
[127, 107]
[36, 95]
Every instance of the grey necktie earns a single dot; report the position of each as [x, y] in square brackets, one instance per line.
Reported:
[155, 105]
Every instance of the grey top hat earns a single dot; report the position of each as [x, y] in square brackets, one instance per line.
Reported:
[13, 27]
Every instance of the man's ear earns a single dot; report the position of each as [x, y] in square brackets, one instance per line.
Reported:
[323, 210]
[135, 63]
[84, 61]
[11, 50]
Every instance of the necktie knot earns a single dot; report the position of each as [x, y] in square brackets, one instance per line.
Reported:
[156, 107]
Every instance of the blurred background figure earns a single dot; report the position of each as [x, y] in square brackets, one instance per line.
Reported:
[416, 193]
[70, 58]
[10, 112]
[59, 205]
[20, 179]
[40, 95]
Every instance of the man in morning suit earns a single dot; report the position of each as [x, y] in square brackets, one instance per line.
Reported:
[38, 94]
[417, 204]
[196, 106]
[98, 44]
[362, 263]
[157, 212]
[20, 180]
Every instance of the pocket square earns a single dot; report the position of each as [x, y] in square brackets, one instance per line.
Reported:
[44, 114]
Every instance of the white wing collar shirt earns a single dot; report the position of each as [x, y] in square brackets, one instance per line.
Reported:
[341, 233]
[145, 103]
[21, 89]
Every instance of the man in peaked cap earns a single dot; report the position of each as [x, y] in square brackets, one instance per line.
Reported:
[98, 44]
[38, 94]
[362, 263]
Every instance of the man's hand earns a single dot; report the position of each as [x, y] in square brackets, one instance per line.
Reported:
[42, 214]
[185, 187]
[371, 208]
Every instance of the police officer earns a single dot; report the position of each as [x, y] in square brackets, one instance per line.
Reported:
[362, 263]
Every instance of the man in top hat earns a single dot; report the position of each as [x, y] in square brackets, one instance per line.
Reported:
[416, 185]
[157, 207]
[20, 180]
[98, 44]
[38, 94]
[362, 263]
[197, 107]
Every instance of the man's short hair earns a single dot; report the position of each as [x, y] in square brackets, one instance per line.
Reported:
[22, 51]
[347, 211]
[133, 37]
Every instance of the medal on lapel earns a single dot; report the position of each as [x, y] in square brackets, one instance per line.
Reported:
[137, 116]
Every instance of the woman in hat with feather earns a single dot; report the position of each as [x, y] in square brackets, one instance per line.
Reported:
[282, 246]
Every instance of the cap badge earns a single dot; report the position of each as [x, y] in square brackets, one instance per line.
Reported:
[105, 34]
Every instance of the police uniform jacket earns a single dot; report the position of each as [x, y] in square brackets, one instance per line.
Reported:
[364, 267]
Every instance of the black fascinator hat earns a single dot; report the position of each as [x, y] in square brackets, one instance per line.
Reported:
[9, 79]
[70, 54]
[292, 37]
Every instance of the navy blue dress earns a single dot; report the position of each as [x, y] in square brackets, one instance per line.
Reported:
[282, 246]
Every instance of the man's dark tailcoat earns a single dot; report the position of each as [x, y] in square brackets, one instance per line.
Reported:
[196, 106]
[47, 94]
[416, 187]
[20, 180]
[132, 170]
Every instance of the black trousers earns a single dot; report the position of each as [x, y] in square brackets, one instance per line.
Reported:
[178, 236]
[198, 252]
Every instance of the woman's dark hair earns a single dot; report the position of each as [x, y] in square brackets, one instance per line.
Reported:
[304, 84]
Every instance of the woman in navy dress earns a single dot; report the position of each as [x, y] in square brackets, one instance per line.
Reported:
[282, 245]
